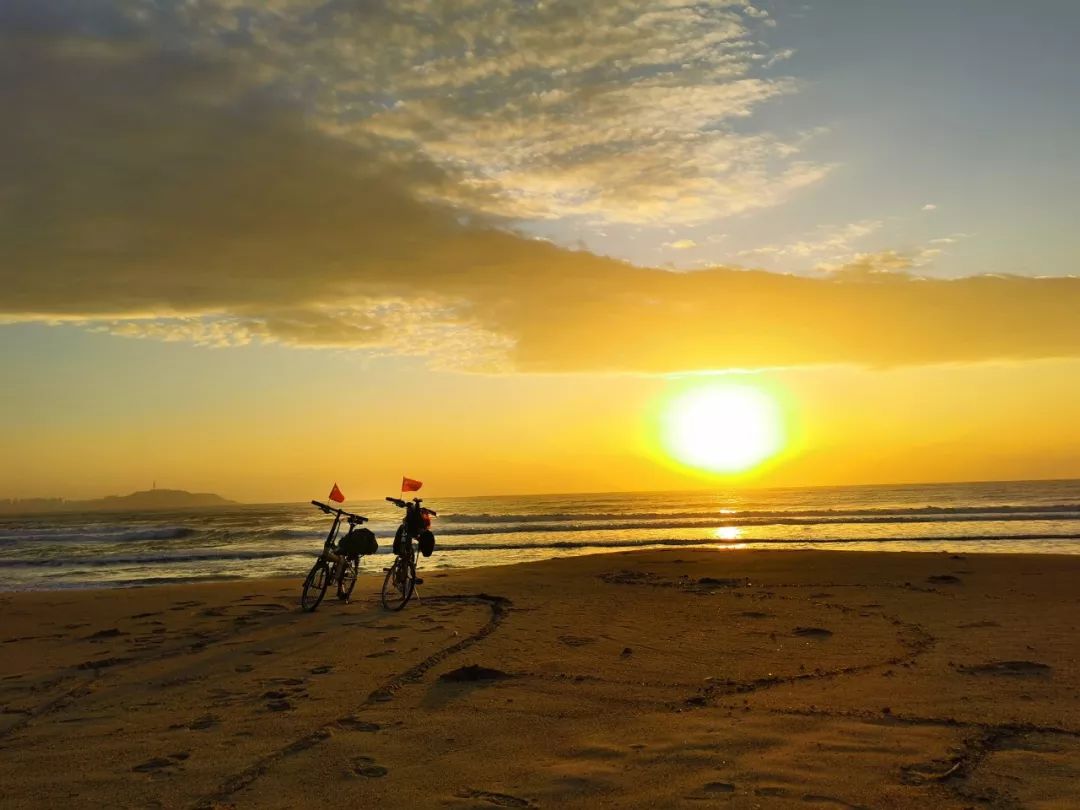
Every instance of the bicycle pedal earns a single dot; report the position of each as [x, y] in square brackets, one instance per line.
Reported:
[418, 581]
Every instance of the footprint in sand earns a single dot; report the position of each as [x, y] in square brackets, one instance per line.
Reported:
[154, 765]
[243, 668]
[102, 663]
[112, 632]
[755, 614]
[354, 723]
[1017, 669]
[770, 791]
[325, 669]
[496, 799]
[811, 632]
[576, 641]
[716, 582]
[380, 654]
[204, 722]
[365, 766]
[718, 787]
[829, 801]
[186, 605]
[279, 705]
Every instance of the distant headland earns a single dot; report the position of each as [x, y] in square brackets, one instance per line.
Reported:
[147, 499]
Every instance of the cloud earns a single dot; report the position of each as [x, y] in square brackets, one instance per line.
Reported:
[681, 244]
[614, 110]
[868, 265]
[825, 240]
[161, 192]
[929, 207]
[951, 239]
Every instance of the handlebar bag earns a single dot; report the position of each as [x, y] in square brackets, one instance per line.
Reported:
[358, 541]
[416, 522]
[427, 543]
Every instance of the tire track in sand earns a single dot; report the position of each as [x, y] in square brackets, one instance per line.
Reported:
[500, 608]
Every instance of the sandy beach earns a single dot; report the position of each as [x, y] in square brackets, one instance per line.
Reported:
[645, 679]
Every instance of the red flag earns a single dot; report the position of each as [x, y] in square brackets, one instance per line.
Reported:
[335, 495]
[410, 485]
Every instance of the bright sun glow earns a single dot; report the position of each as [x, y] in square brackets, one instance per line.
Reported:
[723, 427]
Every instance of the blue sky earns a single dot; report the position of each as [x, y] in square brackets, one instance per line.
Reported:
[968, 106]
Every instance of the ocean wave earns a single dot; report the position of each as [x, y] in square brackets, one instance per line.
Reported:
[290, 534]
[721, 521]
[82, 535]
[738, 514]
[777, 541]
[157, 558]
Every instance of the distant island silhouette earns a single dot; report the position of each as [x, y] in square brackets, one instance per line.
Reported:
[147, 499]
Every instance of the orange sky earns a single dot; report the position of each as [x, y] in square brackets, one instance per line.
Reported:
[265, 424]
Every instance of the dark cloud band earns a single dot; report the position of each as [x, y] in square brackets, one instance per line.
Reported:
[163, 193]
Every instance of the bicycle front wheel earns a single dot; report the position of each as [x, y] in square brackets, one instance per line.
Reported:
[315, 586]
[397, 588]
[347, 579]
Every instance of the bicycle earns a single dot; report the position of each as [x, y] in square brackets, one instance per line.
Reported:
[345, 559]
[401, 580]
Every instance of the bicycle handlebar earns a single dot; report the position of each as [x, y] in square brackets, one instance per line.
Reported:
[339, 512]
[400, 504]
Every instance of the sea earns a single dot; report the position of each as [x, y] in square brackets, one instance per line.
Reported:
[88, 550]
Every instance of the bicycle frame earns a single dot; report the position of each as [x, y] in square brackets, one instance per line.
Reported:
[328, 551]
[402, 573]
[331, 566]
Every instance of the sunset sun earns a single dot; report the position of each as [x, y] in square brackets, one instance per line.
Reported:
[722, 427]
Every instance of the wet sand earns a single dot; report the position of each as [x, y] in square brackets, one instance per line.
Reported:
[645, 679]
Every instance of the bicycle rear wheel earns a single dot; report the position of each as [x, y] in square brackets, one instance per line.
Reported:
[315, 586]
[397, 588]
[347, 578]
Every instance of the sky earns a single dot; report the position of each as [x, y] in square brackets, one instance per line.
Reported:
[256, 248]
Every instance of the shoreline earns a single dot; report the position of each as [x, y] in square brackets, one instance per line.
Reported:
[588, 550]
[641, 678]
